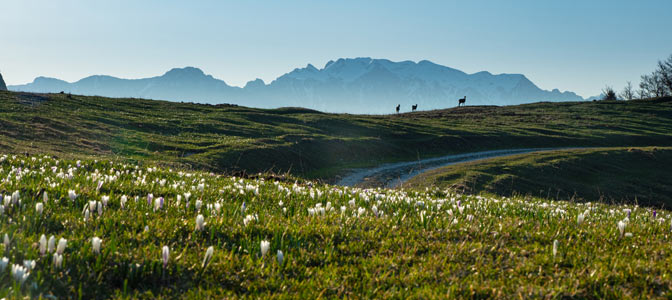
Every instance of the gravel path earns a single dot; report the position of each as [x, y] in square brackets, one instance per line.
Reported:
[394, 174]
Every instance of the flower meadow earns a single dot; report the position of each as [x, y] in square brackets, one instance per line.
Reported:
[102, 229]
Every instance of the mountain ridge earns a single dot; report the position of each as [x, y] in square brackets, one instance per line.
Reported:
[351, 85]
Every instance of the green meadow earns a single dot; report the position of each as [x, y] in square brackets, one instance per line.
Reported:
[100, 229]
[130, 198]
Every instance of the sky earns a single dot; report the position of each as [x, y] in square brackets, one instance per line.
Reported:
[574, 45]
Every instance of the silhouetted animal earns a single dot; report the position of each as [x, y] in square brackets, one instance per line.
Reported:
[398, 106]
[414, 107]
[462, 101]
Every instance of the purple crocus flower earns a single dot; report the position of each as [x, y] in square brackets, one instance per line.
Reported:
[458, 203]
[654, 213]
[149, 199]
[160, 202]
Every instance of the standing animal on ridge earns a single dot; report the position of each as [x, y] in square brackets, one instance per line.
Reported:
[398, 106]
[462, 101]
[414, 107]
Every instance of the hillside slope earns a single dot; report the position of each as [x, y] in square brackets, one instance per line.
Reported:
[620, 175]
[310, 143]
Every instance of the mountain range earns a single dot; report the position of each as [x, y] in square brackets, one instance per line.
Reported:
[353, 85]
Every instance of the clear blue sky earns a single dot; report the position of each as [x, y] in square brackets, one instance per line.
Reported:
[570, 45]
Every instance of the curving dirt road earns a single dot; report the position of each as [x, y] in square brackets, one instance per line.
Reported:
[394, 174]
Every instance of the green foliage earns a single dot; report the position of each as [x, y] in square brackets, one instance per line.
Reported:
[609, 94]
[337, 242]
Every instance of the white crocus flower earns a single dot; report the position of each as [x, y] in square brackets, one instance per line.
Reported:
[20, 273]
[165, 255]
[555, 247]
[280, 257]
[621, 227]
[208, 256]
[15, 198]
[200, 222]
[51, 245]
[62, 243]
[29, 264]
[95, 244]
[58, 261]
[72, 195]
[123, 201]
[265, 246]
[43, 244]
[3, 264]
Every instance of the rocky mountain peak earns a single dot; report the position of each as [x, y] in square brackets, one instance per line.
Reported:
[3, 86]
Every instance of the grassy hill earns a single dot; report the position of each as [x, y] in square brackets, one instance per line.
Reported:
[124, 231]
[336, 242]
[614, 175]
[309, 143]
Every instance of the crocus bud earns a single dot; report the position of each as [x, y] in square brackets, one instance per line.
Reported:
[51, 245]
[265, 246]
[621, 227]
[95, 244]
[200, 222]
[280, 257]
[165, 255]
[39, 207]
[62, 243]
[208, 256]
[43, 244]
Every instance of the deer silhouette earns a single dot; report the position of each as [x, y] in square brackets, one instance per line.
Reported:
[462, 101]
[398, 106]
[414, 107]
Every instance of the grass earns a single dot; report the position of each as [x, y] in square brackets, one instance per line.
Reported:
[616, 175]
[337, 242]
[174, 161]
[236, 140]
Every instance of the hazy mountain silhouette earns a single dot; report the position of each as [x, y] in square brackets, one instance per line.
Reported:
[359, 85]
[188, 84]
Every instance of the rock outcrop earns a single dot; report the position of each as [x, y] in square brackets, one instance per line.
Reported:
[3, 86]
